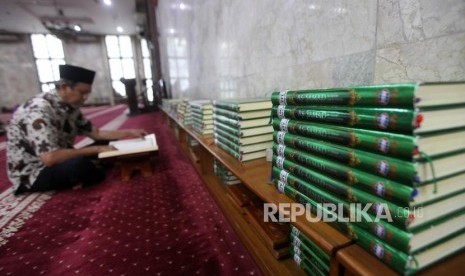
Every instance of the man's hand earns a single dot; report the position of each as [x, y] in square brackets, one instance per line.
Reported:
[104, 148]
[135, 133]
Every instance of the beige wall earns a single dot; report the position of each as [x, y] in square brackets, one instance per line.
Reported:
[245, 48]
[18, 73]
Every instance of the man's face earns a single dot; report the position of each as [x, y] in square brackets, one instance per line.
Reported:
[79, 93]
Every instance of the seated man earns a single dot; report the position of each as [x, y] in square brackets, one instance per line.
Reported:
[41, 133]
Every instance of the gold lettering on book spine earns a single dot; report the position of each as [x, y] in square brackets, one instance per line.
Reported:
[353, 97]
[350, 196]
[353, 139]
[353, 118]
[351, 179]
[353, 159]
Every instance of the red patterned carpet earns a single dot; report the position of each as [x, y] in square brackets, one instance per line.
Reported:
[167, 224]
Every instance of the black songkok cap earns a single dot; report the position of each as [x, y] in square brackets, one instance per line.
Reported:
[76, 74]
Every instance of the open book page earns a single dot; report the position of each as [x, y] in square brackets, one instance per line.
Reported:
[130, 146]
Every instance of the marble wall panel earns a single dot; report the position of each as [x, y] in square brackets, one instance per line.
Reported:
[18, 75]
[438, 59]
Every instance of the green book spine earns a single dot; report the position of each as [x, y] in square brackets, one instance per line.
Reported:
[298, 238]
[385, 119]
[352, 212]
[228, 149]
[324, 183]
[228, 135]
[226, 105]
[383, 230]
[232, 130]
[226, 113]
[346, 174]
[390, 95]
[201, 117]
[394, 258]
[395, 191]
[395, 169]
[308, 261]
[230, 144]
[395, 145]
[227, 121]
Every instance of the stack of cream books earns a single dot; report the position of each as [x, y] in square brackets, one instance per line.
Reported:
[241, 127]
[202, 118]
[184, 113]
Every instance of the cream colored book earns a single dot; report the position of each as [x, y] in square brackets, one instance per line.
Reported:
[131, 146]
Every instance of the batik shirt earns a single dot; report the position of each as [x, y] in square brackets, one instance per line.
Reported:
[43, 124]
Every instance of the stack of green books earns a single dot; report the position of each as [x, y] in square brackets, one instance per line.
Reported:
[225, 175]
[202, 118]
[171, 105]
[184, 113]
[312, 259]
[241, 127]
[388, 161]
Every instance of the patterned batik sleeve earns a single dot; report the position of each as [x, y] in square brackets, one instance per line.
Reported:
[42, 130]
[83, 125]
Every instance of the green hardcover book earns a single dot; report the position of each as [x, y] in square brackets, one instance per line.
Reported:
[411, 263]
[416, 217]
[405, 95]
[200, 121]
[395, 145]
[302, 255]
[401, 262]
[308, 262]
[384, 119]
[315, 208]
[201, 104]
[343, 192]
[246, 115]
[335, 220]
[382, 229]
[421, 244]
[395, 169]
[245, 140]
[363, 214]
[403, 121]
[298, 239]
[201, 112]
[382, 188]
[446, 222]
[268, 129]
[242, 124]
[344, 173]
[243, 148]
[432, 211]
[240, 105]
[202, 117]
[242, 157]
